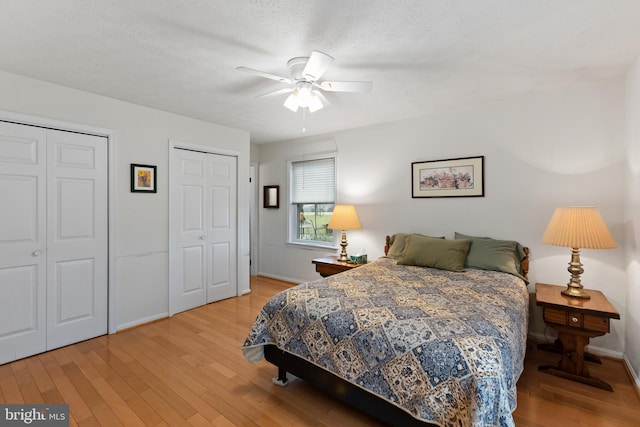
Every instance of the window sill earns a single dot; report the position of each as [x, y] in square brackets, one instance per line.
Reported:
[313, 246]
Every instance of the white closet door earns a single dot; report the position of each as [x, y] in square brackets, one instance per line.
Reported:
[53, 239]
[188, 269]
[22, 241]
[76, 237]
[203, 223]
[221, 228]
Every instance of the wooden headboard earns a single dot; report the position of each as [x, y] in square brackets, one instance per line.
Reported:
[524, 264]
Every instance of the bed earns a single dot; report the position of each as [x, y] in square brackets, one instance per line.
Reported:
[433, 333]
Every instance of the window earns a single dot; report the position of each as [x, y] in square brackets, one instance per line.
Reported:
[312, 196]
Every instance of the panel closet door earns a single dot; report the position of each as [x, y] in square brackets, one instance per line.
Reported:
[23, 237]
[53, 239]
[77, 287]
[204, 230]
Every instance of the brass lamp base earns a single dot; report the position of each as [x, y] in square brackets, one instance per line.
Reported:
[343, 253]
[574, 287]
[575, 292]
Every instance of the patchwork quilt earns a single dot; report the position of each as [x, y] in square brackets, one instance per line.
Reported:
[446, 347]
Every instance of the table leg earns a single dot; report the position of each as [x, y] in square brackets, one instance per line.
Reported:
[571, 365]
[556, 347]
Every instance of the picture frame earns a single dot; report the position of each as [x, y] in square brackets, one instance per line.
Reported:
[271, 196]
[461, 177]
[143, 178]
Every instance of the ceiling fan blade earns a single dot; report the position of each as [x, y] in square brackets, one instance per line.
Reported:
[276, 92]
[316, 65]
[266, 75]
[346, 86]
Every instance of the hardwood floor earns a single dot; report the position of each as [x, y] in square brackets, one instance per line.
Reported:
[188, 370]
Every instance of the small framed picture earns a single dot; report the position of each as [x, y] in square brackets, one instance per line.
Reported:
[463, 177]
[271, 196]
[143, 178]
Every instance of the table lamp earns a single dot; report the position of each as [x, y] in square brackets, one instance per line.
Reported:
[577, 227]
[344, 218]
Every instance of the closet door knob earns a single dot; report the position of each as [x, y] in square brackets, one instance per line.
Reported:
[203, 237]
[36, 253]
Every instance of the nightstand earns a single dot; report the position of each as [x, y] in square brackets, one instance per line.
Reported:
[576, 321]
[330, 265]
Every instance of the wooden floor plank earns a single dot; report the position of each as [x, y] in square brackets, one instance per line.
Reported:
[68, 393]
[26, 383]
[188, 370]
[168, 414]
[117, 404]
[39, 374]
[103, 416]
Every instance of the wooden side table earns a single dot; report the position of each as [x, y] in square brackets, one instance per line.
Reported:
[576, 321]
[330, 265]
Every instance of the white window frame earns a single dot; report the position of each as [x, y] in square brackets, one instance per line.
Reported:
[292, 213]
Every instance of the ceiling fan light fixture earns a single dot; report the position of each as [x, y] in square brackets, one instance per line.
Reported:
[304, 94]
[292, 101]
[315, 103]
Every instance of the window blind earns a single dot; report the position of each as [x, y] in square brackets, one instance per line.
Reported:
[313, 181]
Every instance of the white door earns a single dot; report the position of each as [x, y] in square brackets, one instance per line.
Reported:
[76, 237]
[53, 239]
[188, 272]
[221, 227]
[203, 226]
[22, 241]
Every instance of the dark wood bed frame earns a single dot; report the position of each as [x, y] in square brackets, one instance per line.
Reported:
[343, 390]
[336, 387]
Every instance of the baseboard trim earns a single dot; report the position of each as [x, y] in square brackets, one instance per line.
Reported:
[632, 374]
[140, 322]
[284, 279]
[599, 351]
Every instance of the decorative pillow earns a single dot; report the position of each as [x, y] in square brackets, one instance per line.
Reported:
[398, 241]
[492, 254]
[426, 251]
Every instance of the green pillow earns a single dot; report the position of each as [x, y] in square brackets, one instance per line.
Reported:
[398, 241]
[436, 253]
[492, 254]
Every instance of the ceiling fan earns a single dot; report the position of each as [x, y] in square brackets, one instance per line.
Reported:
[305, 85]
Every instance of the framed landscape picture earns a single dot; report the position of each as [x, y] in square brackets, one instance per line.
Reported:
[143, 179]
[462, 177]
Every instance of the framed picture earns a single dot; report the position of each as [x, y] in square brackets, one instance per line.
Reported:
[271, 196]
[143, 179]
[463, 177]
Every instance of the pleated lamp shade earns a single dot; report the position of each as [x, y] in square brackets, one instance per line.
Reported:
[344, 217]
[578, 227]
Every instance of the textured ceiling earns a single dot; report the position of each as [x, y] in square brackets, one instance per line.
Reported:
[424, 55]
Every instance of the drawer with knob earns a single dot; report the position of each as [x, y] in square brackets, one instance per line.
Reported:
[576, 320]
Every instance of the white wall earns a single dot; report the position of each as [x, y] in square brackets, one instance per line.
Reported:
[632, 220]
[542, 150]
[142, 220]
